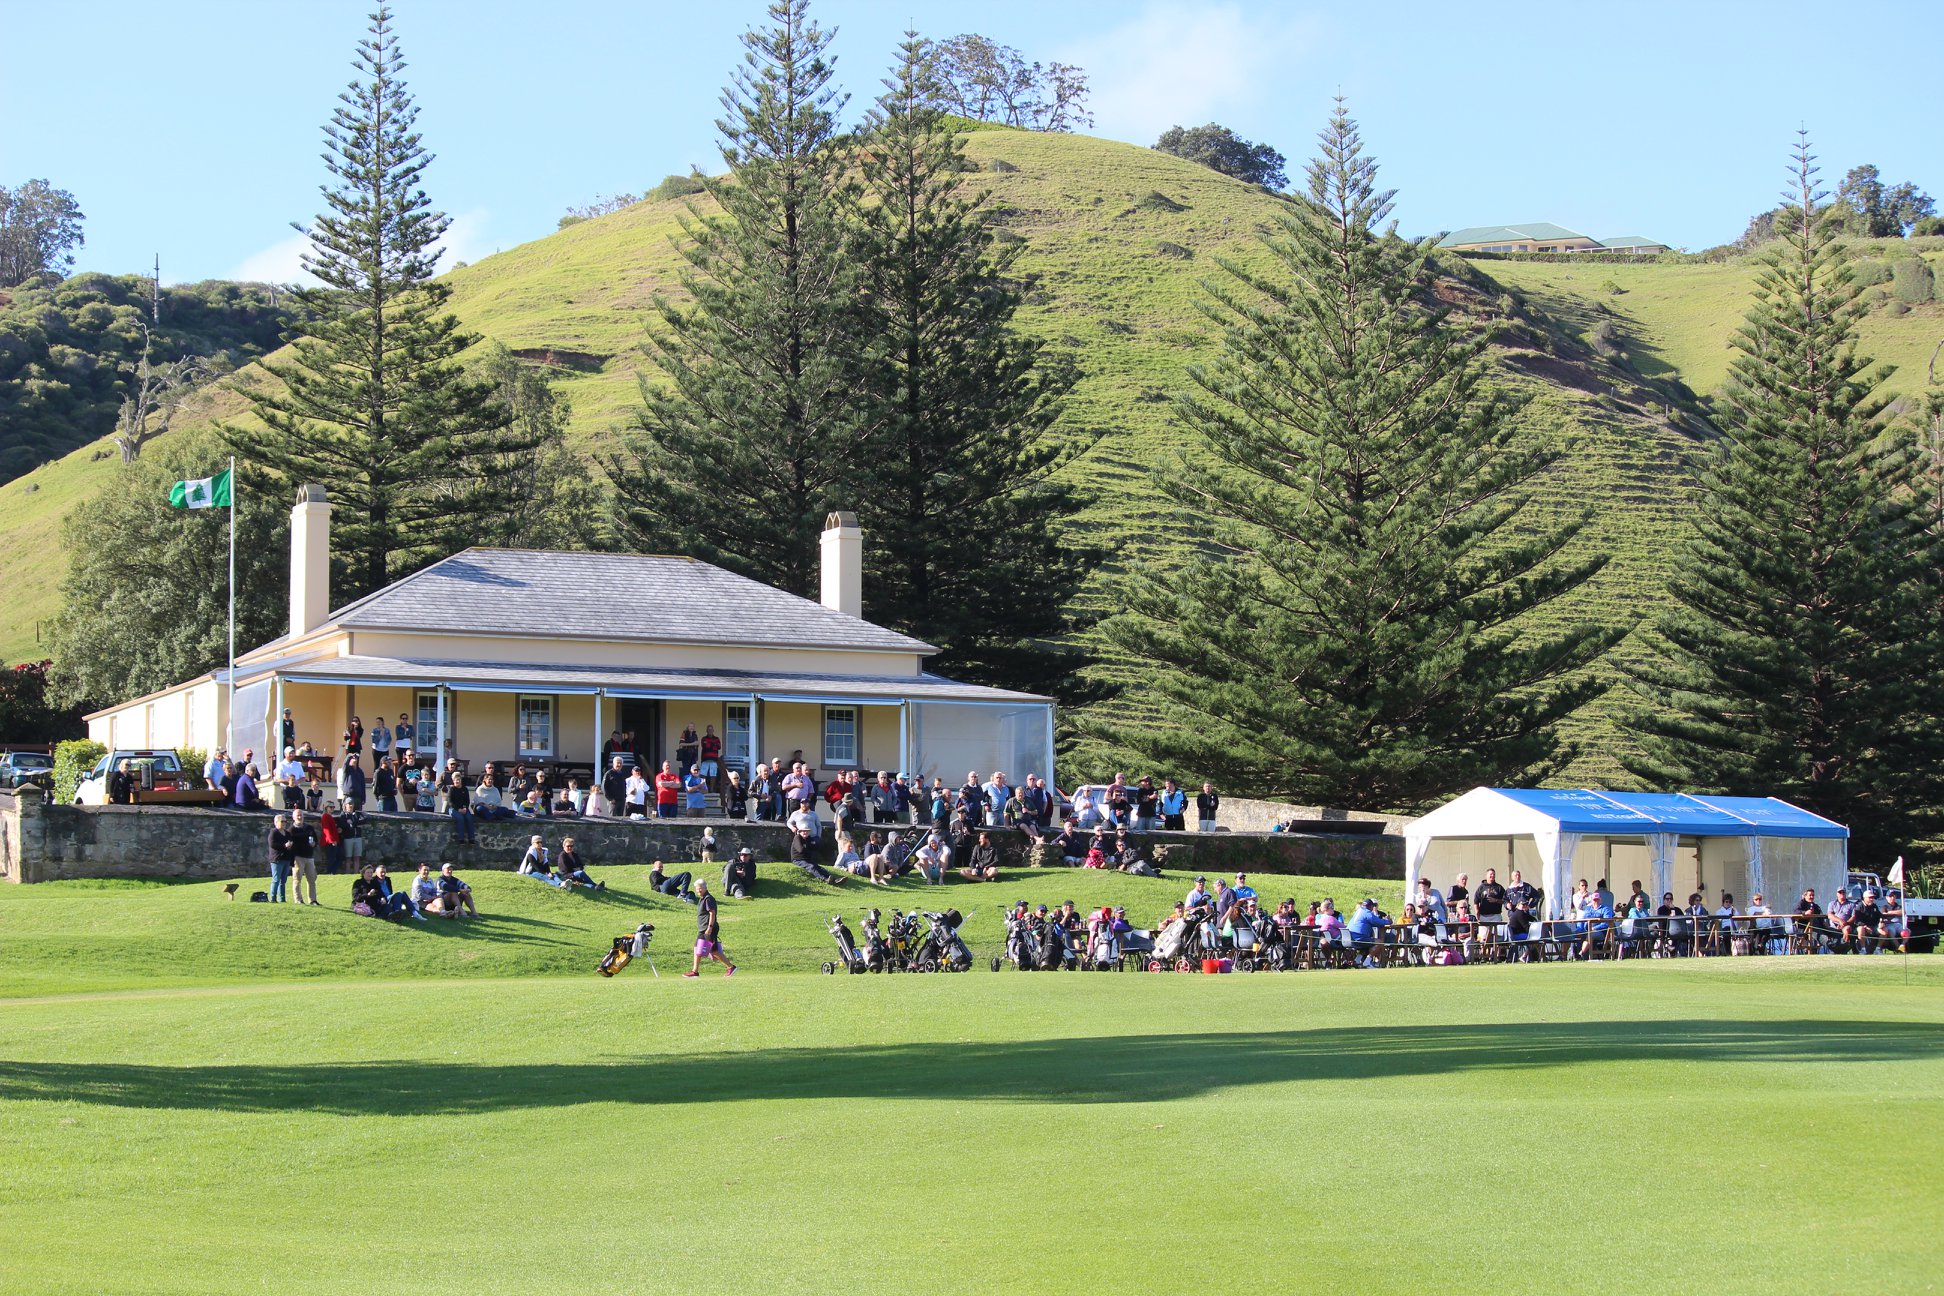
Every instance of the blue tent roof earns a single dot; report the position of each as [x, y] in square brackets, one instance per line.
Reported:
[1582, 811]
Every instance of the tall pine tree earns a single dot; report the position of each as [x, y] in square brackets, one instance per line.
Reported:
[374, 403]
[1357, 631]
[1801, 658]
[972, 543]
[749, 437]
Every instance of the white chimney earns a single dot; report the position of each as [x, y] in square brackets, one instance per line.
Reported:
[310, 561]
[843, 564]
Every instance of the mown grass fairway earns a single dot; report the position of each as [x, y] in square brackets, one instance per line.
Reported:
[1727, 1126]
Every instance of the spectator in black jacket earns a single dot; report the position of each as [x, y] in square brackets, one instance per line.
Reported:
[614, 787]
[1207, 803]
[982, 862]
[281, 853]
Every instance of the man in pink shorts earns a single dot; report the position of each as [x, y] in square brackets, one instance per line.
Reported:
[708, 932]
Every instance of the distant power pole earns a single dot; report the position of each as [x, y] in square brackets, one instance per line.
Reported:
[155, 296]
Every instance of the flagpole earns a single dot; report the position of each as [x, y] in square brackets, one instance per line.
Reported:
[230, 733]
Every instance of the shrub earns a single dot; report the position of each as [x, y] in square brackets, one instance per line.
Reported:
[1155, 200]
[1871, 271]
[1896, 308]
[1928, 226]
[72, 761]
[1606, 338]
[1002, 166]
[1175, 250]
[193, 759]
[676, 186]
[1915, 282]
[1612, 288]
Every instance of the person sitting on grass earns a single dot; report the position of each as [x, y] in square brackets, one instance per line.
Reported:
[1127, 857]
[536, 863]
[848, 859]
[932, 859]
[739, 875]
[424, 892]
[982, 865]
[708, 934]
[806, 838]
[677, 886]
[1070, 845]
[454, 894]
[571, 871]
[397, 903]
[367, 901]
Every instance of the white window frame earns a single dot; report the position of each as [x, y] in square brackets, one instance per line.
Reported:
[521, 701]
[426, 737]
[734, 757]
[833, 758]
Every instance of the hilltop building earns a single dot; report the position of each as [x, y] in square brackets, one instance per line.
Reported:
[504, 654]
[1543, 237]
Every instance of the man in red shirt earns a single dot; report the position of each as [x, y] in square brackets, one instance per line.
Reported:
[668, 789]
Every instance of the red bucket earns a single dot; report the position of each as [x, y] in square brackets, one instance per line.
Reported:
[1211, 966]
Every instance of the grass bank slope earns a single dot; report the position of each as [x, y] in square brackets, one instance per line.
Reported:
[118, 935]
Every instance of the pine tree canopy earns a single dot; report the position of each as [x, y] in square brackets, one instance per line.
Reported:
[374, 403]
[1358, 629]
[1801, 658]
[970, 533]
[746, 442]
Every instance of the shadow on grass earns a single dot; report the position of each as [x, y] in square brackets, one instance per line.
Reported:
[1129, 1068]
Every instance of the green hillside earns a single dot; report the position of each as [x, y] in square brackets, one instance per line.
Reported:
[1117, 240]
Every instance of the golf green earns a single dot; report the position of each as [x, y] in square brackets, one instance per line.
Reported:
[1729, 1125]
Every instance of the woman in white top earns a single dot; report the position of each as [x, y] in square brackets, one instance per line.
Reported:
[535, 863]
[1085, 813]
[637, 792]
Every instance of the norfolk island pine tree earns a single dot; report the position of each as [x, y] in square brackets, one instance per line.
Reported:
[1355, 631]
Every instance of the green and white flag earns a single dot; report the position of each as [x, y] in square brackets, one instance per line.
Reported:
[204, 492]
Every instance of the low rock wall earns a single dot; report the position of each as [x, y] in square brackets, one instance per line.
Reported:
[41, 842]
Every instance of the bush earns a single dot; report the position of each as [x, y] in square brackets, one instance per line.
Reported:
[1003, 166]
[1612, 288]
[72, 761]
[1895, 309]
[1155, 200]
[676, 186]
[1606, 338]
[193, 759]
[1915, 282]
[1928, 226]
[1866, 273]
[1175, 250]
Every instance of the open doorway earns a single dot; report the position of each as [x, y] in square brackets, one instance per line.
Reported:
[641, 719]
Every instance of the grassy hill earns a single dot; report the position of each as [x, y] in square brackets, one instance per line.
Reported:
[1117, 240]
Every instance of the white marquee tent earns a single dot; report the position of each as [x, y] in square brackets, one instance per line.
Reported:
[1684, 843]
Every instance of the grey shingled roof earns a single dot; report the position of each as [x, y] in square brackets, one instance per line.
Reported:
[651, 598]
[540, 678]
[1541, 230]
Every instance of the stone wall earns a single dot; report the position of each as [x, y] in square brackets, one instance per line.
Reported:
[42, 842]
[1242, 815]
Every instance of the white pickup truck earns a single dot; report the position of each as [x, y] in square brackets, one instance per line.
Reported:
[1923, 919]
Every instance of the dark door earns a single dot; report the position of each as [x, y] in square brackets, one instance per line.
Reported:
[642, 718]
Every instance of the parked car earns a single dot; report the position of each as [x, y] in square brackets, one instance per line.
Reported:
[17, 768]
[159, 770]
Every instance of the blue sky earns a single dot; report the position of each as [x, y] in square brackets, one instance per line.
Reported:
[192, 128]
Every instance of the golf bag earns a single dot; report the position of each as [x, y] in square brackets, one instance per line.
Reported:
[848, 957]
[1054, 947]
[943, 949]
[628, 948]
[1022, 945]
[877, 954]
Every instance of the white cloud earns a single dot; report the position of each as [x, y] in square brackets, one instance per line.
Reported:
[465, 239]
[281, 262]
[1181, 64]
